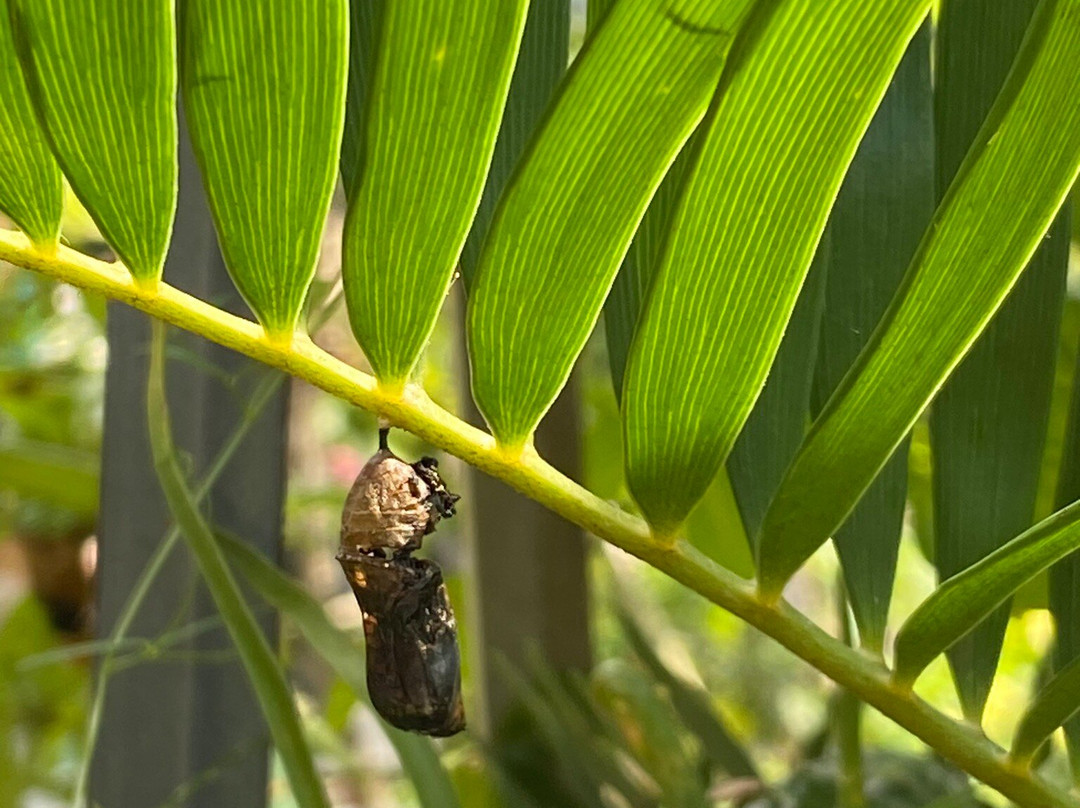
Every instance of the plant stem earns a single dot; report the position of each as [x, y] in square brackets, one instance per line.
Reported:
[264, 673]
[150, 572]
[848, 719]
[260, 397]
[526, 471]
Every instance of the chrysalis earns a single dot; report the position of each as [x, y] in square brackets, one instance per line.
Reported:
[413, 662]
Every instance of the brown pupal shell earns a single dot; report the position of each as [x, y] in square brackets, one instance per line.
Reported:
[413, 662]
[387, 509]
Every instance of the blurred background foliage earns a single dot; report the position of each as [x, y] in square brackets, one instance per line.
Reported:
[684, 705]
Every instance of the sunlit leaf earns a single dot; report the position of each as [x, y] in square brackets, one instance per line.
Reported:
[788, 118]
[638, 89]
[966, 599]
[1004, 198]
[31, 188]
[440, 80]
[264, 89]
[102, 74]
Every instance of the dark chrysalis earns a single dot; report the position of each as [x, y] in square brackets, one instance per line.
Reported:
[413, 662]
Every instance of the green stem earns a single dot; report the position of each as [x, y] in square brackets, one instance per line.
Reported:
[848, 718]
[526, 471]
[264, 673]
[154, 565]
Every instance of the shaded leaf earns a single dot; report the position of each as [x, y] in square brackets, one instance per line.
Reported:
[1055, 703]
[365, 29]
[883, 207]
[637, 90]
[968, 598]
[441, 76]
[715, 527]
[648, 729]
[1004, 198]
[595, 11]
[264, 93]
[771, 159]
[568, 723]
[541, 63]
[1052, 476]
[59, 475]
[31, 188]
[264, 673]
[1064, 595]
[988, 424]
[776, 426]
[102, 74]
[622, 309]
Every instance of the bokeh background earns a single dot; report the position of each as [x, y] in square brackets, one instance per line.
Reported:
[658, 698]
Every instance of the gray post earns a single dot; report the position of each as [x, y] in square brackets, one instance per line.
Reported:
[180, 729]
[529, 572]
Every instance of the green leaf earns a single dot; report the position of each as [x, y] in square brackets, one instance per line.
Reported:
[541, 63]
[31, 188]
[1052, 477]
[966, 599]
[102, 74]
[772, 157]
[595, 11]
[637, 90]
[264, 672]
[622, 310]
[648, 728]
[1055, 704]
[59, 475]
[365, 30]
[264, 94]
[1004, 198]
[1064, 596]
[440, 81]
[417, 754]
[776, 426]
[988, 424]
[693, 705]
[716, 528]
[884, 205]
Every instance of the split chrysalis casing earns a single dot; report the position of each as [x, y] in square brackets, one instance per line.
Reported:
[413, 662]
